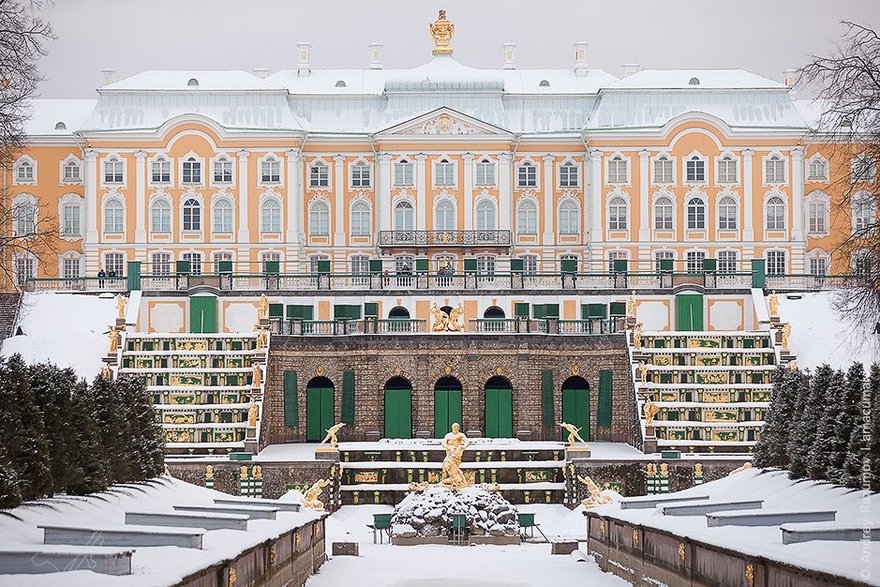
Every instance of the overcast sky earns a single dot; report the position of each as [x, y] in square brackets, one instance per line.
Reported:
[129, 36]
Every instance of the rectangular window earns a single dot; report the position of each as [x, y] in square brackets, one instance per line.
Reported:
[444, 173]
[817, 215]
[727, 262]
[663, 170]
[220, 256]
[818, 266]
[25, 268]
[818, 170]
[161, 264]
[485, 173]
[695, 170]
[403, 173]
[71, 267]
[161, 171]
[615, 256]
[114, 264]
[568, 176]
[270, 171]
[527, 176]
[530, 264]
[24, 172]
[662, 256]
[72, 171]
[71, 220]
[617, 170]
[776, 263]
[319, 176]
[192, 171]
[223, 170]
[360, 176]
[113, 171]
[774, 170]
[695, 261]
[195, 262]
[727, 171]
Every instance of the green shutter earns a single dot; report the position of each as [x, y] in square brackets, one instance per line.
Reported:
[348, 397]
[324, 267]
[224, 267]
[375, 266]
[299, 312]
[276, 310]
[182, 267]
[547, 409]
[620, 265]
[470, 265]
[540, 310]
[516, 265]
[569, 265]
[422, 265]
[710, 265]
[618, 308]
[551, 310]
[603, 417]
[272, 267]
[291, 400]
[667, 265]
[593, 311]
[133, 275]
[371, 309]
[521, 309]
[759, 273]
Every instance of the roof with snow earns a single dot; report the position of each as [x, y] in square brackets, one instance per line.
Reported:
[58, 117]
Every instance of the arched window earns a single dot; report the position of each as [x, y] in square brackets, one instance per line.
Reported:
[485, 215]
[568, 175]
[24, 172]
[818, 171]
[664, 214]
[71, 216]
[695, 170]
[527, 217]
[221, 216]
[863, 216]
[727, 214]
[160, 170]
[727, 171]
[485, 173]
[71, 265]
[318, 175]
[527, 175]
[360, 219]
[270, 215]
[223, 170]
[360, 175]
[775, 214]
[319, 219]
[569, 217]
[25, 214]
[663, 169]
[192, 171]
[192, 214]
[617, 214]
[270, 170]
[617, 170]
[71, 171]
[696, 214]
[403, 216]
[444, 216]
[114, 216]
[160, 216]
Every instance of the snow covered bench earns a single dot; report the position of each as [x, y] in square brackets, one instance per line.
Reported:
[284, 506]
[122, 536]
[35, 559]
[837, 531]
[252, 512]
[188, 520]
[768, 518]
[648, 502]
[698, 509]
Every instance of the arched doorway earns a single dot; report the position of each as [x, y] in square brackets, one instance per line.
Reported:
[447, 405]
[398, 313]
[499, 408]
[493, 319]
[576, 405]
[398, 408]
[319, 408]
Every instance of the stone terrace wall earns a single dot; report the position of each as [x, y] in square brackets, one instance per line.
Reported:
[472, 359]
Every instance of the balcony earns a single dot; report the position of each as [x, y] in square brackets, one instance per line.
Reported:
[444, 238]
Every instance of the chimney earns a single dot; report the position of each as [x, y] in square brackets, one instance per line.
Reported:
[375, 55]
[789, 77]
[304, 60]
[509, 55]
[631, 68]
[261, 72]
[108, 76]
[580, 58]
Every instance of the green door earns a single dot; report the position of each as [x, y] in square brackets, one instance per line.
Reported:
[319, 408]
[398, 408]
[447, 405]
[499, 409]
[689, 312]
[576, 406]
[203, 314]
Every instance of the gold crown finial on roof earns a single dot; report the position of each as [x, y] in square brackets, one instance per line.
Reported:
[442, 31]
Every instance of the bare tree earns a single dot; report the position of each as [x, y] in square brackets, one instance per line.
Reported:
[23, 36]
[848, 83]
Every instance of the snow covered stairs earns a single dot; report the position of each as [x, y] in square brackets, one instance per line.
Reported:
[707, 391]
[202, 386]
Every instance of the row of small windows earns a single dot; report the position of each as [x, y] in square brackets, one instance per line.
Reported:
[26, 171]
[695, 170]
[728, 261]
[222, 214]
[695, 214]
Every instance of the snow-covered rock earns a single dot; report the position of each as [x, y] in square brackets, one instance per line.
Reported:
[429, 512]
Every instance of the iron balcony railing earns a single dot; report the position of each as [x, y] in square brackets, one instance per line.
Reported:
[444, 238]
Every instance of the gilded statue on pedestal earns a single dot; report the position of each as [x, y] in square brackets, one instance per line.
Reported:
[263, 307]
[786, 335]
[631, 305]
[442, 31]
[253, 414]
[113, 336]
[331, 434]
[651, 411]
[637, 336]
[573, 435]
[256, 375]
[262, 338]
[594, 494]
[311, 496]
[643, 371]
[773, 303]
[120, 306]
[454, 443]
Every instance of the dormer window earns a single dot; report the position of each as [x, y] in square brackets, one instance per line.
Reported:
[60, 126]
[223, 170]
[444, 172]
[192, 171]
[694, 81]
[340, 83]
[360, 175]
[71, 171]
[544, 84]
[318, 175]
[113, 171]
[270, 170]
[527, 175]
[485, 173]
[160, 170]
[568, 175]
[403, 173]
[695, 170]
[192, 83]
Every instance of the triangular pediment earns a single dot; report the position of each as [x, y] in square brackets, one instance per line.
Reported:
[444, 122]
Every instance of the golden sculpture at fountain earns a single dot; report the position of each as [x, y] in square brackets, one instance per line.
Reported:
[454, 443]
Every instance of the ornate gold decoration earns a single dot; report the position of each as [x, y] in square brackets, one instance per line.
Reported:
[209, 472]
[793, 365]
[256, 375]
[651, 469]
[773, 303]
[331, 434]
[786, 335]
[602, 526]
[631, 305]
[698, 469]
[444, 322]
[121, 300]
[273, 555]
[651, 411]
[319, 371]
[253, 414]
[594, 494]
[447, 370]
[637, 336]
[643, 371]
[575, 369]
[454, 443]
[498, 371]
[750, 574]
[257, 472]
[231, 578]
[573, 435]
[664, 470]
[243, 472]
[635, 537]
[263, 307]
[106, 373]
[397, 371]
[366, 477]
[262, 339]
[681, 551]
[310, 498]
[442, 31]
[297, 540]
[113, 337]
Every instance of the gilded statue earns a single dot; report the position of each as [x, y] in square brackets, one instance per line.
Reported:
[331, 434]
[637, 336]
[263, 307]
[454, 443]
[786, 335]
[106, 373]
[594, 494]
[441, 319]
[773, 303]
[453, 324]
[113, 336]
[793, 365]
[573, 436]
[256, 376]
[442, 31]
[262, 338]
[121, 301]
[253, 413]
[311, 496]
[631, 305]
[744, 467]
[643, 371]
[651, 411]
[209, 471]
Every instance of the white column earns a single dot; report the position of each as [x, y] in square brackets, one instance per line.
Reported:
[338, 202]
[595, 199]
[549, 211]
[383, 192]
[90, 242]
[505, 193]
[748, 219]
[468, 191]
[585, 205]
[294, 204]
[140, 231]
[244, 232]
[644, 208]
[797, 194]
[421, 187]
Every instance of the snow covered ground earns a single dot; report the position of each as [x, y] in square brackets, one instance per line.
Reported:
[152, 566]
[65, 329]
[849, 559]
[527, 565]
[820, 335]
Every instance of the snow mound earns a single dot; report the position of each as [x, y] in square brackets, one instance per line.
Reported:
[65, 329]
[429, 513]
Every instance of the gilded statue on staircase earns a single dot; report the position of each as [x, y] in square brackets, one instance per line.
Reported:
[454, 443]
[121, 300]
[263, 307]
[311, 498]
[331, 434]
[573, 433]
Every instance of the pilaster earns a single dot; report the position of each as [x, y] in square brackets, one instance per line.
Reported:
[797, 194]
[383, 193]
[468, 191]
[748, 218]
[549, 211]
[244, 232]
[421, 187]
[90, 185]
[140, 231]
[595, 199]
[294, 205]
[505, 192]
[339, 201]
[644, 208]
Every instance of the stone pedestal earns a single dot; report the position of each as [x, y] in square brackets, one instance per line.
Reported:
[120, 323]
[650, 440]
[264, 323]
[325, 452]
[251, 446]
[577, 451]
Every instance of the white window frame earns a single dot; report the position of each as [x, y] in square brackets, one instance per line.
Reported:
[693, 260]
[161, 263]
[771, 257]
[769, 201]
[359, 210]
[319, 218]
[25, 214]
[192, 256]
[161, 202]
[816, 255]
[616, 255]
[523, 222]
[218, 218]
[116, 256]
[361, 175]
[217, 164]
[721, 200]
[816, 159]
[218, 256]
[484, 172]
[24, 257]
[782, 166]
[404, 173]
[186, 218]
[658, 175]
[567, 169]
[440, 173]
[317, 179]
[481, 214]
[620, 164]
[866, 175]
[571, 225]
[28, 163]
[195, 163]
[119, 171]
[161, 160]
[527, 174]
[530, 263]
[270, 170]
[447, 205]
[725, 258]
[409, 218]
[70, 257]
[692, 166]
[722, 176]
[70, 201]
[275, 225]
[696, 225]
[655, 208]
[614, 222]
[821, 201]
[112, 229]
[863, 211]
[71, 162]
[663, 255]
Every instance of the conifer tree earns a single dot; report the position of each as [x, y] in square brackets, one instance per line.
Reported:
[873, 440]
[771, 450]
[808, 411]
[828, 409]
[51, 387]
[88, 464]
[146, 434]
[114, 425]
[848, 418]
[10, 492]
